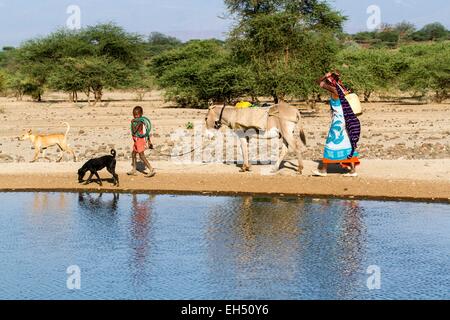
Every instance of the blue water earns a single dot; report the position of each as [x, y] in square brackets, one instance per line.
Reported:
[197, 247]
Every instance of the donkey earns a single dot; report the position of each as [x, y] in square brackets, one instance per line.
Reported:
[282, 121]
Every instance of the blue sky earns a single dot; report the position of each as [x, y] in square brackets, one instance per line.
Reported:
[185, 19]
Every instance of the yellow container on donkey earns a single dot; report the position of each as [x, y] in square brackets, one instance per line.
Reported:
[243, 105]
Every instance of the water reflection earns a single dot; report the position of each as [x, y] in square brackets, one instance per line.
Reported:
[192, 247]
[95, 203]
[48, 202]
[257, 238]
[333, 247]
[141, 224]
[352, 237]
[275, 240]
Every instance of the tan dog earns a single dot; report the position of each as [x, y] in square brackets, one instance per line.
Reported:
[41, 143]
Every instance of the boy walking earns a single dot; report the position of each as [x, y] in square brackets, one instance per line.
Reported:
[140, 130]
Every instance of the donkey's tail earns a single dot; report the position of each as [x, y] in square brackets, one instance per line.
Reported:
[300, 128]
[303, 137]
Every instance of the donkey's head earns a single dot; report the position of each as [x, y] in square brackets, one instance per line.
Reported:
[213, 118]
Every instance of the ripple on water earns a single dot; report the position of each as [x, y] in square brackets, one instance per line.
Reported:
[198, 247]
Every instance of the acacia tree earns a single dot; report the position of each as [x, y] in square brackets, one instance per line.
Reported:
[287, 43]
[431, 32]
[199, 71]
[88, 60]
[157, 43]
[368, 70]
[428, 69]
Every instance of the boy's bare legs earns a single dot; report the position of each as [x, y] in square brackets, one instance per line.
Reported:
[147, 164]
[133, 164]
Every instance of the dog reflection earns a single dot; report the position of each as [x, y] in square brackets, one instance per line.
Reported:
[96, 203]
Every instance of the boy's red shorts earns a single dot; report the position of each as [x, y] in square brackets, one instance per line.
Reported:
[140, 144]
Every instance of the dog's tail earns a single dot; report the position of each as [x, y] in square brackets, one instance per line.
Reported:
[68, 128]
[113, 153]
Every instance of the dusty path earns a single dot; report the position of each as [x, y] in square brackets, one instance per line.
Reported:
[390, 131]
[405, 150]
[415, 180]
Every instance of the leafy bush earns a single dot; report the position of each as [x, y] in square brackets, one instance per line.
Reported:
[2, 82]
[428, 69]
[285, 44]
[158, 43]
[198, 72]
[368, 70]
[88, 60]
[431, 32]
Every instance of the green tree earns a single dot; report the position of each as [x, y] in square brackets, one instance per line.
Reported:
[365, 36]
[286, 43]
[88, 60]
[158, 43]
[198, 72]
[142, 82]
[405, 30]
[429, 69]
[431, 32]
[366, 71]
[2, 82]
[313, 12]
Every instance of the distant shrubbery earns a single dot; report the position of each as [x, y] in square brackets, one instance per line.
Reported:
[2, 82]
[404, 32]
[417, 68]
[277, 48]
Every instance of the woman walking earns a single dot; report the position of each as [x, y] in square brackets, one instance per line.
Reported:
[345, 130]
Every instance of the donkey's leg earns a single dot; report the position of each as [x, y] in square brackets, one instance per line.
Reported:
[298, 151]
[294, 143]
[244, 148]
[281, 157]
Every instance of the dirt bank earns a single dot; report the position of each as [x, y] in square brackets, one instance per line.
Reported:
[416, 180]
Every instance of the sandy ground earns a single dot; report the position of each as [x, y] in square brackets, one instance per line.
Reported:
[405, 151]
[415, 180]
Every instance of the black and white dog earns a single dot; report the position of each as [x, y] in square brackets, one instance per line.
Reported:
[95, 165]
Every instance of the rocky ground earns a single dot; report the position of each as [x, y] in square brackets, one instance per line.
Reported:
[390, 130]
